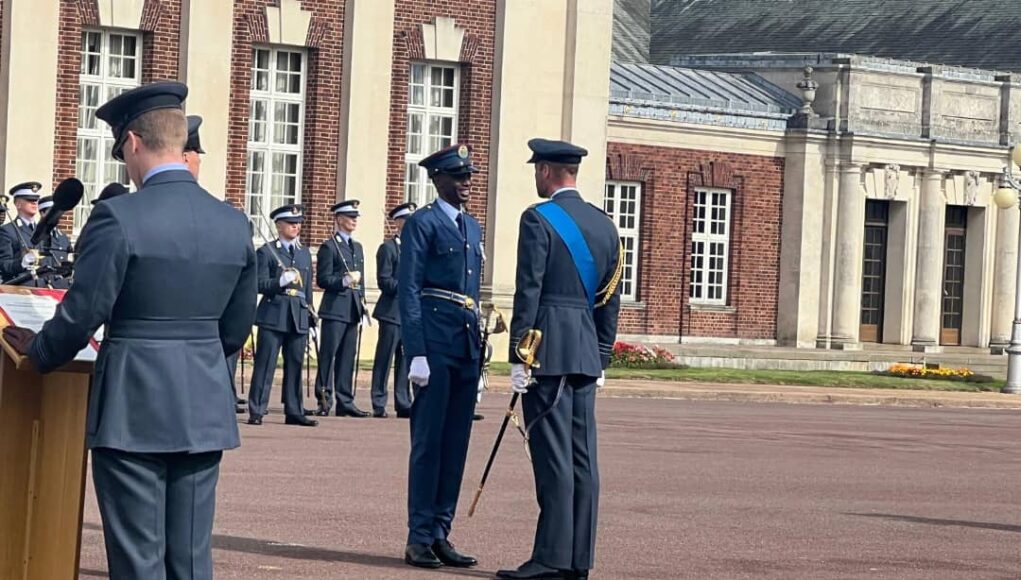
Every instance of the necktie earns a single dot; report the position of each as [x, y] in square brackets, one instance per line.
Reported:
[351, 245]
[290, 250]
[460, 226]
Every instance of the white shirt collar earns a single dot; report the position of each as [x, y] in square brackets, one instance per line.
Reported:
[451, 211]
[287, 244]
[26, 220]
[554, 194]
[343, 236]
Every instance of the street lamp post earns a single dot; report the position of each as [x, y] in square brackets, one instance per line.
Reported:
[1006, 197]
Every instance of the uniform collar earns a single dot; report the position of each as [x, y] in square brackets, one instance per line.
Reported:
[164, 167]
[344, 236]
[451, 211]
[282, 243]
[561, 190]
[25, 221]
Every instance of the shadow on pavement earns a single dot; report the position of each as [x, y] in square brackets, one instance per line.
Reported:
[941, 522]
[310, 553]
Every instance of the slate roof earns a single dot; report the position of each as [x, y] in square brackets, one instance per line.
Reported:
[699, 96]
[631, 30]
[972, 33]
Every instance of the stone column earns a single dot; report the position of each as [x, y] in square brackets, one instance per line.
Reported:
[848, 259]
[929, 264]
[1004, 272]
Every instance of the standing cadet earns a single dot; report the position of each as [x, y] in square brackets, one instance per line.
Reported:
[193, 153]
[388, 314]
[59, 248]
[15, 234]
[439, 279]
[285, 282]
[171, 272]
[339, 266]
[566, 287]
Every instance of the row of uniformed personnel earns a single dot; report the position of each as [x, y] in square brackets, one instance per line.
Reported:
[173, 309]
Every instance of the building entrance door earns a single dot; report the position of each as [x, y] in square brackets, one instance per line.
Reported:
[873, 282]
[953, 275]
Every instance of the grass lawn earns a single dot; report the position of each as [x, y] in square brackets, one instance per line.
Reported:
[835, 379]
[807, 378]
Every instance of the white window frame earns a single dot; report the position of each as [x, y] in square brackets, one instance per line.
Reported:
[417, 185]
[268, 197]
[709, 280]
[89, 129]
[628, 222]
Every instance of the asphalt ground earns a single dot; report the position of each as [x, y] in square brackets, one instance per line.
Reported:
[690, 490]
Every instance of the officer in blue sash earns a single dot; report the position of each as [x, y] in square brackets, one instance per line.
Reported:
[340, 263]
[59, 248]
[171, 273]
[387, 312]
[285, 282]
[569, 265]
[439, 280]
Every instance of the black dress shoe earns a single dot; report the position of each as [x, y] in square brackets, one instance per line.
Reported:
[422, 556]
[321, 412]
[477, 417]
[529, 570]
[309, 412]
[302, 421]
[255, 420]
[380, 414]
[578, 575]
[403, 414]
[239, 401]
[352, 412]
[240, 409]
[445, 551]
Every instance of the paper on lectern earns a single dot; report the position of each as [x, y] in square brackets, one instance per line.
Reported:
[32, 307]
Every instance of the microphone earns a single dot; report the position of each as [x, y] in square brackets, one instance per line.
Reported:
[65, 197]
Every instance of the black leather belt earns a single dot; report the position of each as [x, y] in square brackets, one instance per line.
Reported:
[461, 300]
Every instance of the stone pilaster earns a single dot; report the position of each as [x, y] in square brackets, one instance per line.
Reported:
[848, 259]
[1004, 281]
[929, 264]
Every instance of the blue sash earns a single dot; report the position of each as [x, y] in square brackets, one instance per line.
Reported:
[567, 229]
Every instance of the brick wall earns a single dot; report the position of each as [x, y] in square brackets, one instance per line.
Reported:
[323, 45]
[475, 106]
[670, 177]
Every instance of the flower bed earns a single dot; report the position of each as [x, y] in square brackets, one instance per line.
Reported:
[917, 371]
[637, 356]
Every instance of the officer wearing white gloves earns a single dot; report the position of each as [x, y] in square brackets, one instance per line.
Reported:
[439, 278]
[285, 282]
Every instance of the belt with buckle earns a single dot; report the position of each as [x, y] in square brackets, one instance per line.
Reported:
[466, 302]
[293, 292]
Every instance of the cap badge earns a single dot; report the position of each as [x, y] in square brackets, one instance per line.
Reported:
[462, 152]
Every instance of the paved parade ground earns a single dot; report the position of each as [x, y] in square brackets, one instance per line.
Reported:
[692, 490]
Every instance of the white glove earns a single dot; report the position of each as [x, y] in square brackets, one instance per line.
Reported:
[351, 279]
[288, 277]
[419, 371]
[601, 380]
[28, 260]
[520, 377]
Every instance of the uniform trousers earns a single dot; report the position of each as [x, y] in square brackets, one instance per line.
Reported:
[388, 348]
[564, 463]
[337, 364]
[268, 345]
[157, 511]
[441, 422]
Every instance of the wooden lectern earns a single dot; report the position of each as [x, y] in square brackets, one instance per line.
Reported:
[42, 467]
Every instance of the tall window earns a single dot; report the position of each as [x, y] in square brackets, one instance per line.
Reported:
[710, 247]
[432, 123]
[275, 131]
[623, 203]
[111, 63]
